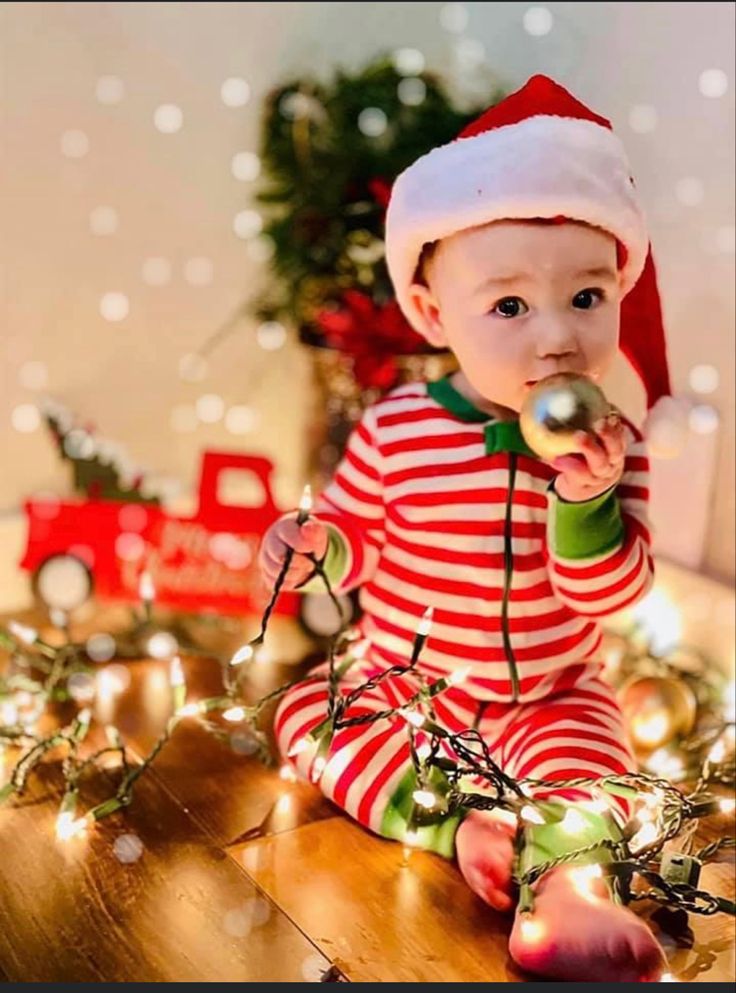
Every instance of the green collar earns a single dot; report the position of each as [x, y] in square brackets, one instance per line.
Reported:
[500, 436]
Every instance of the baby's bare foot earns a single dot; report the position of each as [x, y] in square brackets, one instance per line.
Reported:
[576, 932]
[485, 852]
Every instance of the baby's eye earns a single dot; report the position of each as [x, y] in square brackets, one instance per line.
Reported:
[510, 307]
[588, 298]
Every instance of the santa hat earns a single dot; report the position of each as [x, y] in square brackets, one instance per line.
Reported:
[540, 153]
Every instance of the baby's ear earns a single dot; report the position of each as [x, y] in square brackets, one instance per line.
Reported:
[428, 311]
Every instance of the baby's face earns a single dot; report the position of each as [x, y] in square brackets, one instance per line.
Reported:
[518, 301]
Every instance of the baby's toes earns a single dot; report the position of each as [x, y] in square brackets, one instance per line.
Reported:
[492, 885]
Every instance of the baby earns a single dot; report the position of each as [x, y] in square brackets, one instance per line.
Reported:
[513, 246]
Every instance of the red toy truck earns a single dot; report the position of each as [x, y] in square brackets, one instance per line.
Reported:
[205, 563]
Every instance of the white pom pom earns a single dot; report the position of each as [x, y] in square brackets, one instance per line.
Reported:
[666, 427]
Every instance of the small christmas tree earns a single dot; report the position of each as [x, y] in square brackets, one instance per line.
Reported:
[100, 469]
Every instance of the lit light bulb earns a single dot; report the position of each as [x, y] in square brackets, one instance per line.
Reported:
[412, 717]
[68, 826]
[653, 800]
[177, 684]
[411, 838]
[424, 751]
[107, 687]
[727, 805]
[146, 589]
[531, 815]
[459, 675]
[718, 751]
[358, 651]
[532, 930]
[645, 835]
[318, 767]
[667, 977]
[23, 633]
[113, 736]
[84, 717]
[425, 625]
[243, 654]
[234, 714]
[299, 746]
[424, 798]
[583, 876]
[573, 821]
[305, 504]
[189, 710]
[176, 673]
[283, 804]
[287, 773]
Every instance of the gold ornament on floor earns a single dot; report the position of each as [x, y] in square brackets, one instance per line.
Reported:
[657, 709]
[555, 408]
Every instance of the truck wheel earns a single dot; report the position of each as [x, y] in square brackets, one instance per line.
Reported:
[62, 581]
[318, 617]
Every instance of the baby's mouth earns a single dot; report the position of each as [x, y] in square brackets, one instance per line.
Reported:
[591, 374]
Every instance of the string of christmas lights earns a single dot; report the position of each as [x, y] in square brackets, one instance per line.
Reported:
[471, 779]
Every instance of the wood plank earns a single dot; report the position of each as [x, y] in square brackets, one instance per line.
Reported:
[72, 911]
[349, 891]
[231, 794]
[384, 917]
[380, 916]
[706, 950]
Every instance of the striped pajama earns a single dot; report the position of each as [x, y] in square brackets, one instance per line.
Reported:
[575, 731]
[435, 504]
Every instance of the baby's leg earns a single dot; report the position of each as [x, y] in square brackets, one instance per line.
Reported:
[485, 838]
[574, 929]
[368, 770]
[370, 775]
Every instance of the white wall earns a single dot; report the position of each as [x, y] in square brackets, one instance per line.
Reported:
[175, 197]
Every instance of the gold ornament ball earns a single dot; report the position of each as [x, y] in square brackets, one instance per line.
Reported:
[657, 709]
[555, 408]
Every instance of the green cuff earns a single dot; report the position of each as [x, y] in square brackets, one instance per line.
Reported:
[335, 564]
[584, 530]
[433, 830]
[543, 842]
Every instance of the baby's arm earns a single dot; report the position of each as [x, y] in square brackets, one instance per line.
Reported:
[346, 528]
[599, 550]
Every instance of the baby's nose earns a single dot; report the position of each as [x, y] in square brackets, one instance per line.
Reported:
[556, 340]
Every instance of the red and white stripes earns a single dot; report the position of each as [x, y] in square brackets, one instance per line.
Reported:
[575, 732]
[422, 507]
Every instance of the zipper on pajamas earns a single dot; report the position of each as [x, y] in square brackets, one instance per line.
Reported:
[508, 568]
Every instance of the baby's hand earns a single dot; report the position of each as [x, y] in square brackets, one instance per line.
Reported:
[305, 539]
[598, 467]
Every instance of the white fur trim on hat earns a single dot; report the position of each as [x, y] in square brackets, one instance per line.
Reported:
[543, 166]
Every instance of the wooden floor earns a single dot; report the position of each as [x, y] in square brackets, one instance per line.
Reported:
[244, 877]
